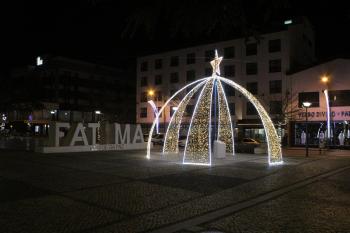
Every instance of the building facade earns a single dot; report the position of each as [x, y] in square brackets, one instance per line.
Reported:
[259, 64]
[308, 86]
[64, 89]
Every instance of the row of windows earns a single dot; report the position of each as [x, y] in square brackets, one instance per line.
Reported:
[157, 96]
[337, 98]
[275, 87]
[229, 52]
[275, 108]
[229, 71]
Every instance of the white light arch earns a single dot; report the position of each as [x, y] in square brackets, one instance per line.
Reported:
[273, 143]
[172, 133]
[148, 156]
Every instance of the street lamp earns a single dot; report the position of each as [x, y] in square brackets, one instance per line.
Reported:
[153, 104]
[155, 111]
[53, 113]
[151, 93]
[325, 80]
[306, 105]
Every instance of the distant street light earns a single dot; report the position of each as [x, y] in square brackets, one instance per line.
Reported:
[151, 93]
[97, 115]
[306, 105]
[53, 113]
[324, 79]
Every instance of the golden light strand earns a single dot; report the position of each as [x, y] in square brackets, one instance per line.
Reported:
[172, 135]
[225, 131]
[198, 145]
[273, 142]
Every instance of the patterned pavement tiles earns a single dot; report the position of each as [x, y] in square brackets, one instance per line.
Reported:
[52, 214]
[320, 207]
[12, 190]
[202, 183]
[55, 178]
[134, 198]
[221, 199]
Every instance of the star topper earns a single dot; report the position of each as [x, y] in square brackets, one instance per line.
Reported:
[216, 63]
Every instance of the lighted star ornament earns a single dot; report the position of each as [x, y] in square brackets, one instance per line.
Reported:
[216, 64]
[211, 120]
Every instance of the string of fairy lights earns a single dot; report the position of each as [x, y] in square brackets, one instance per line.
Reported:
[199, 136]
[172, 135]
[198, 146]
[225, 131]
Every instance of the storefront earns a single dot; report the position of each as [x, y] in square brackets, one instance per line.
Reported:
[317, 130]
[253, 128]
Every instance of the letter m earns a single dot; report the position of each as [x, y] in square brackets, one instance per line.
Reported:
[121, 137]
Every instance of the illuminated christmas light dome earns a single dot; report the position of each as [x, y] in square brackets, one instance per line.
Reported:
[211, 120]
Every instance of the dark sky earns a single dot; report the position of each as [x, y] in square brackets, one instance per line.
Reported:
[92, 29]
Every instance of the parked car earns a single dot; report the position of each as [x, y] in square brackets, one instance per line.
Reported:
[145, 137]
[250, 141]
[158, 139]
[246, 145]
[182, 141]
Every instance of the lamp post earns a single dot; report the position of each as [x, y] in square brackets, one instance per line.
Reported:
[306, 105]
[151, 93]
[325, 80]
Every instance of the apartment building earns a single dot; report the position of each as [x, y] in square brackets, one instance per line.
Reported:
[65, 89]
[258, 63]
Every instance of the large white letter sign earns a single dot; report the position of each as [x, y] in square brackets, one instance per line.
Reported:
[54, 132]
[93, 127]
[119, 137]
[76, 138]
[138, 138]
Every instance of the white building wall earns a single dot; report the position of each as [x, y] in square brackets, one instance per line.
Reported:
[289, 38]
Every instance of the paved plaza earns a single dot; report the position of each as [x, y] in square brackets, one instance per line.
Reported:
[123, 192]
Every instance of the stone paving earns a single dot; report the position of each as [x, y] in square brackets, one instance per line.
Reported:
[124, 192]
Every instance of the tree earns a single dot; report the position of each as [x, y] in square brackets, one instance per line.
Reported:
[289, 109]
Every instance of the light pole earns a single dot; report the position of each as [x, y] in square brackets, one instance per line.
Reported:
[306, 105]
[151, 93]
[325, 80]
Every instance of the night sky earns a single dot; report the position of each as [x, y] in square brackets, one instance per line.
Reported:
[102, 30]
